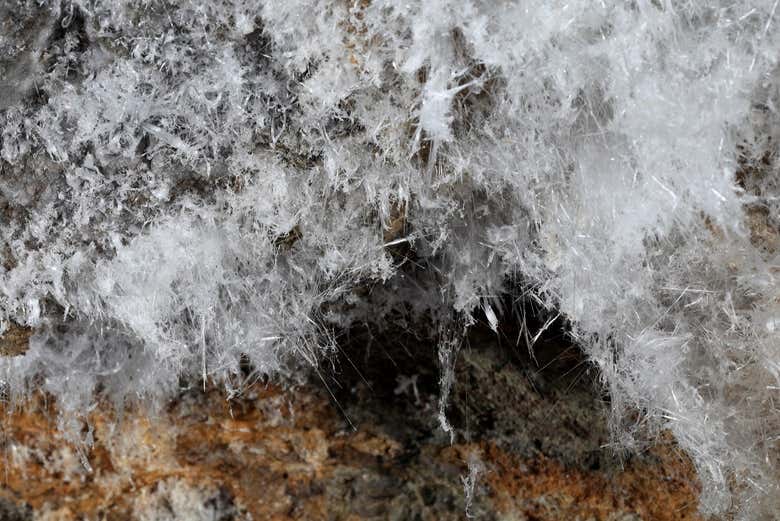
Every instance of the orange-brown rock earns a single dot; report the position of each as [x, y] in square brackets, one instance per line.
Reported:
[280, 455]
[359, 441]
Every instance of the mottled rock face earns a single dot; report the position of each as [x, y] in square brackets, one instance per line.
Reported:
[15, 340]
[376, 453]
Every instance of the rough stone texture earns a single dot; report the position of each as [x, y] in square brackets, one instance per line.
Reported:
[15, 341]
[376, 452]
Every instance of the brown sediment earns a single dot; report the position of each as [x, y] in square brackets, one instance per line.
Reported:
[544, 489]
[283, 455]
[359, 443]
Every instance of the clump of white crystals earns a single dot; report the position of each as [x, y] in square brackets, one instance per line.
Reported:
[186, 184]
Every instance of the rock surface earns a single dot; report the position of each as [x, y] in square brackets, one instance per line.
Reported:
[362, 442]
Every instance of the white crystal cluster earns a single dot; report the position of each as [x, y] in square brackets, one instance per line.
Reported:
[187, 186]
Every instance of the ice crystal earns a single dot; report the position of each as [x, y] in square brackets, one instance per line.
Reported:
[189, 185]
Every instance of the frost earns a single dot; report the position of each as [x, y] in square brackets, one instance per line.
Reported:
[470, 482]
[189, 186]
[449, 345]
[171, 500]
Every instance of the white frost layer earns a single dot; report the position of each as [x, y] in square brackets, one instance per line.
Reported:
[188, 182]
